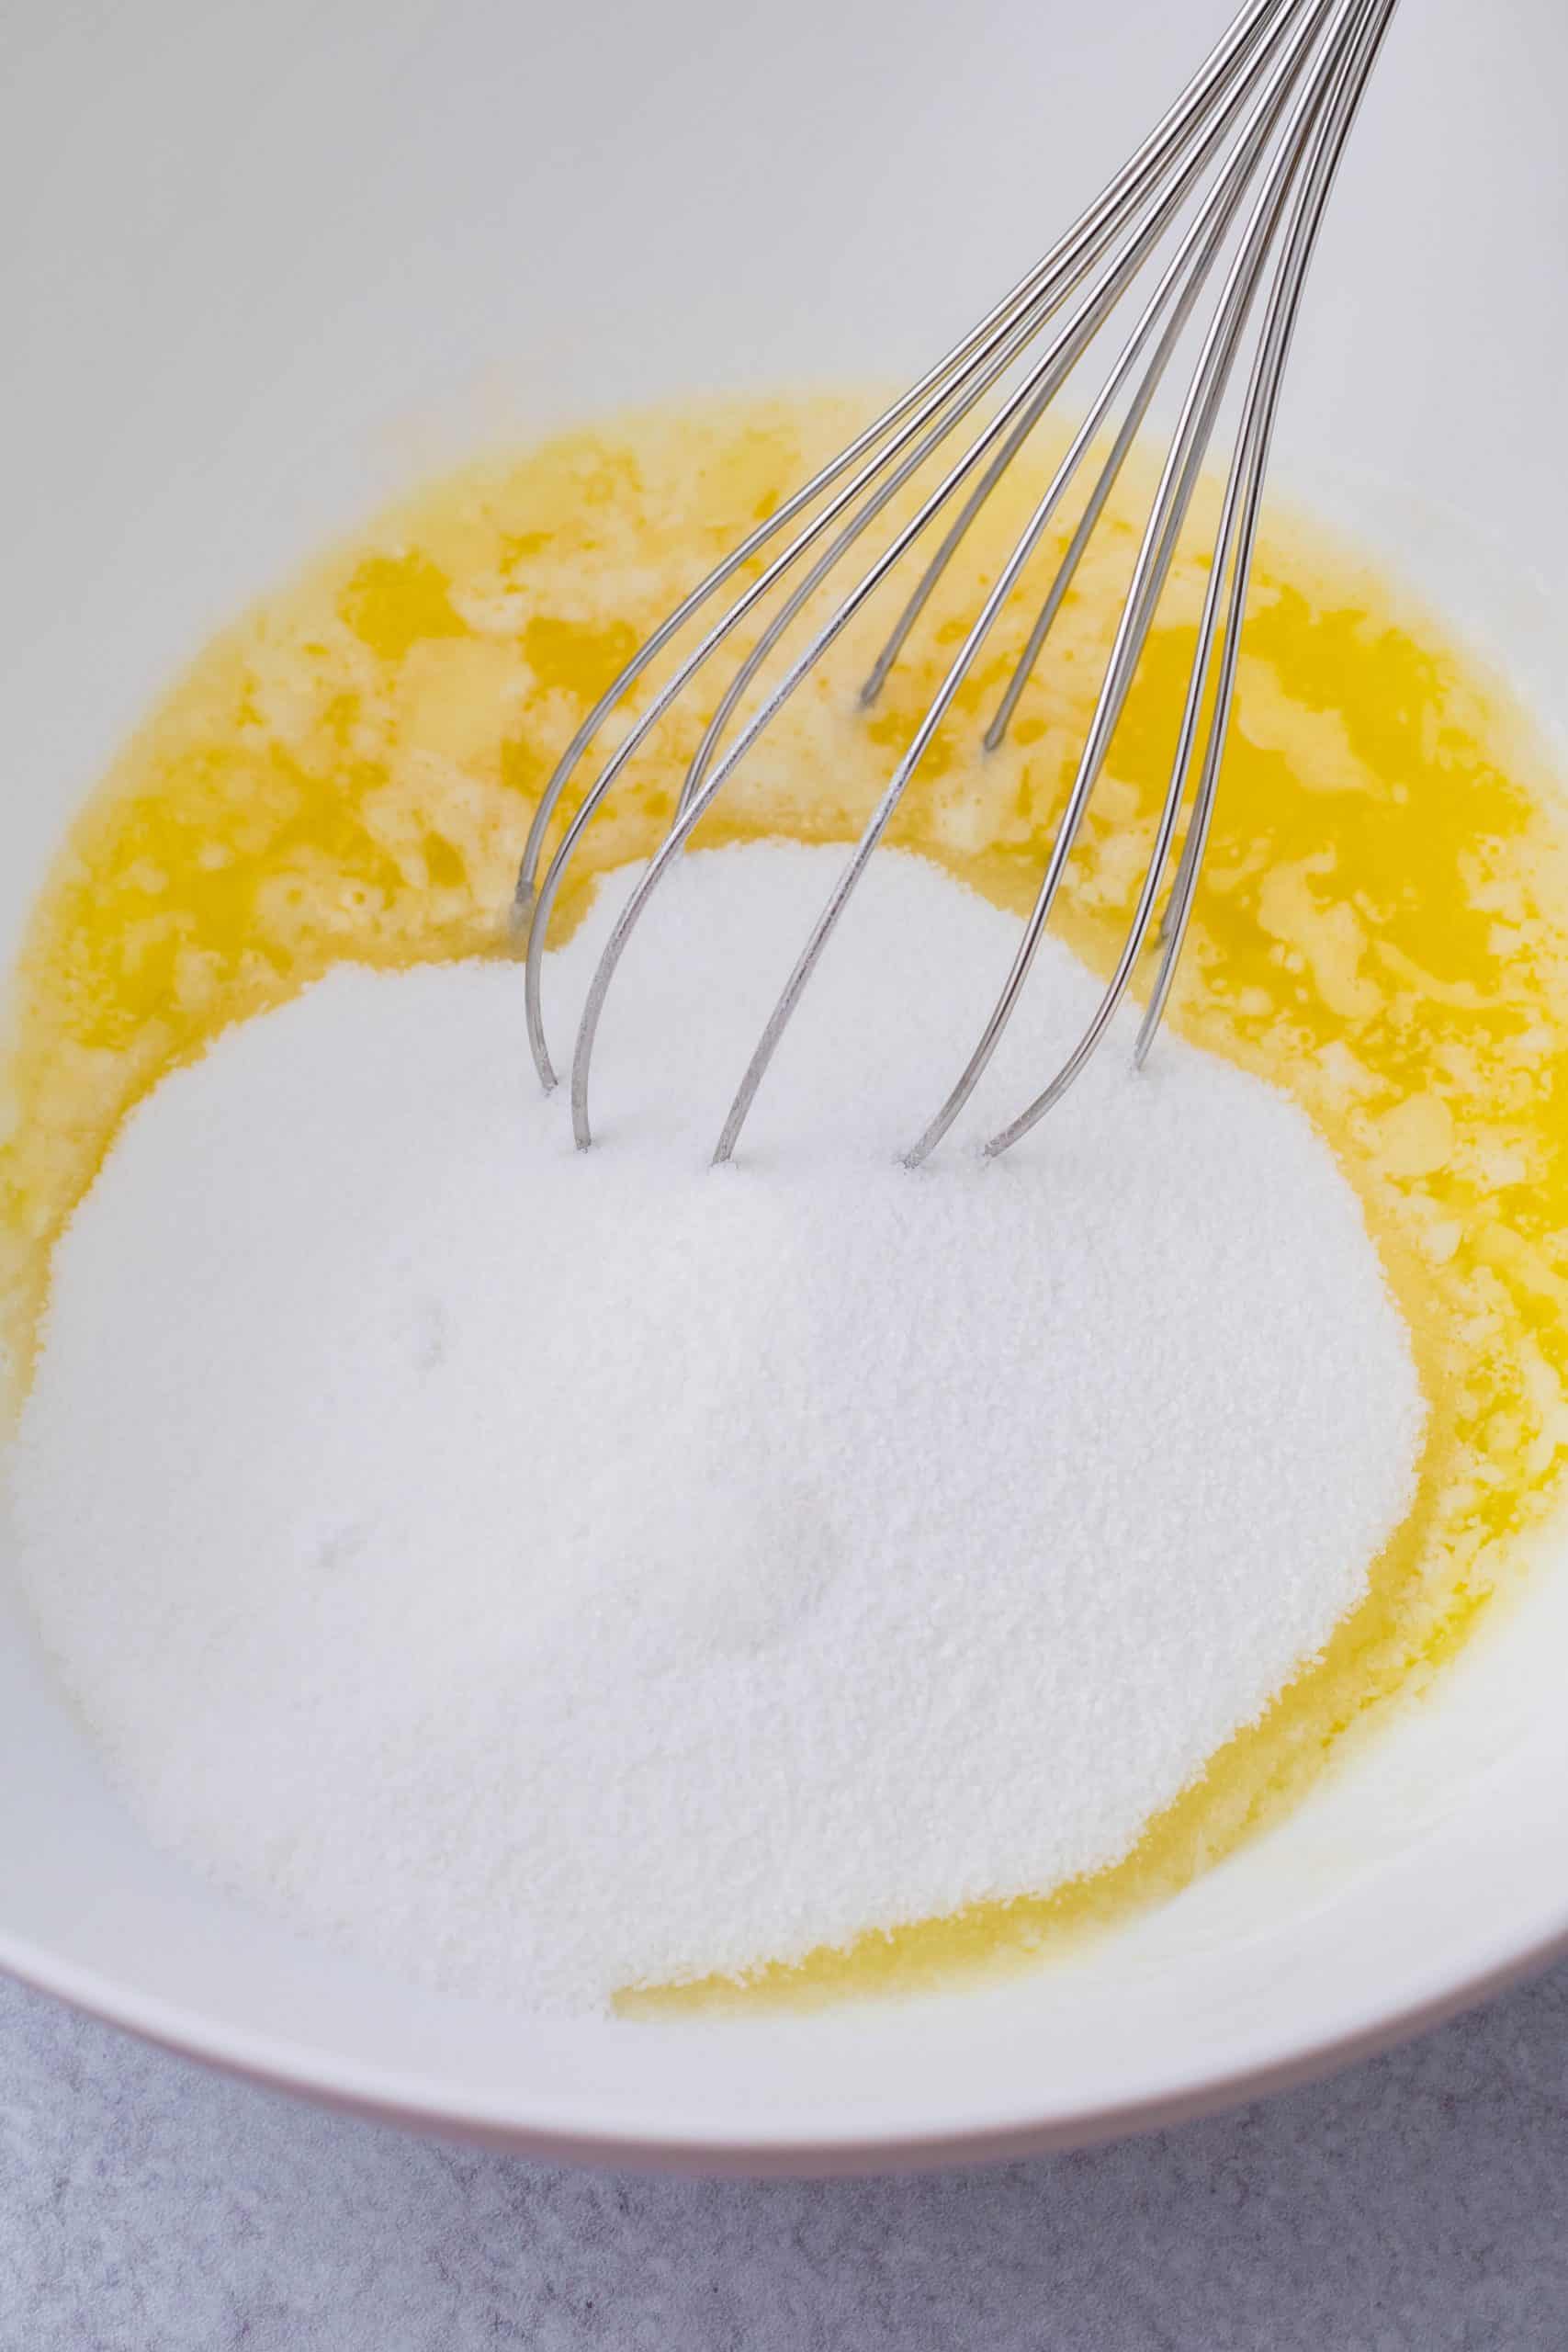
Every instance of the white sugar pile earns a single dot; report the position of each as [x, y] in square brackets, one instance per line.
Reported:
[553, 1573]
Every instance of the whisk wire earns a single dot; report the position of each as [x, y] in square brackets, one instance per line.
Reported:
[1034, 296]
[948, 406]
[1230, 561]
[1205, 237]
[1263, 405]
[1044, 381]
[1297, 42]
[1077, 255]
[1273, 103]
[1072, 340]
[1235, 541]
[1178, 480]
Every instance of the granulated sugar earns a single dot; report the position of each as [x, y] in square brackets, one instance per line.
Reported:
[552, 1573]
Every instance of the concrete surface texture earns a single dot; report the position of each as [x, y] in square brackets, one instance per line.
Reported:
[1420, 2200]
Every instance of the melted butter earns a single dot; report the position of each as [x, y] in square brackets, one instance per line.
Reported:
[1383, 930]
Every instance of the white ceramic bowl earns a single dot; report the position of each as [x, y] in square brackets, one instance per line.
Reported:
[276, 260]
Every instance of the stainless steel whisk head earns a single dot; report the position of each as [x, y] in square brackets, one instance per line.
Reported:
[1235, 178]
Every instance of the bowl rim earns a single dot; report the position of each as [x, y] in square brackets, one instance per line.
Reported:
[562, 2129]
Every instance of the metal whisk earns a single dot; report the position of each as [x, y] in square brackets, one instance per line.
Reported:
[1249, 150]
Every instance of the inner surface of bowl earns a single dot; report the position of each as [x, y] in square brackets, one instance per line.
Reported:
[242, 322]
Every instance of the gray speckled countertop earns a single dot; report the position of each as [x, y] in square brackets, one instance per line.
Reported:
[1420, 2201]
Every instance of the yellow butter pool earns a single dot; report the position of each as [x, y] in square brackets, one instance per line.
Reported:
[1382, 929]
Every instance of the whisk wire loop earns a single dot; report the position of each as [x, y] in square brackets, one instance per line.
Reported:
[1205, 237]
[1264, 120]
[1235, 543]
[1178, 482]
[964, 373]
